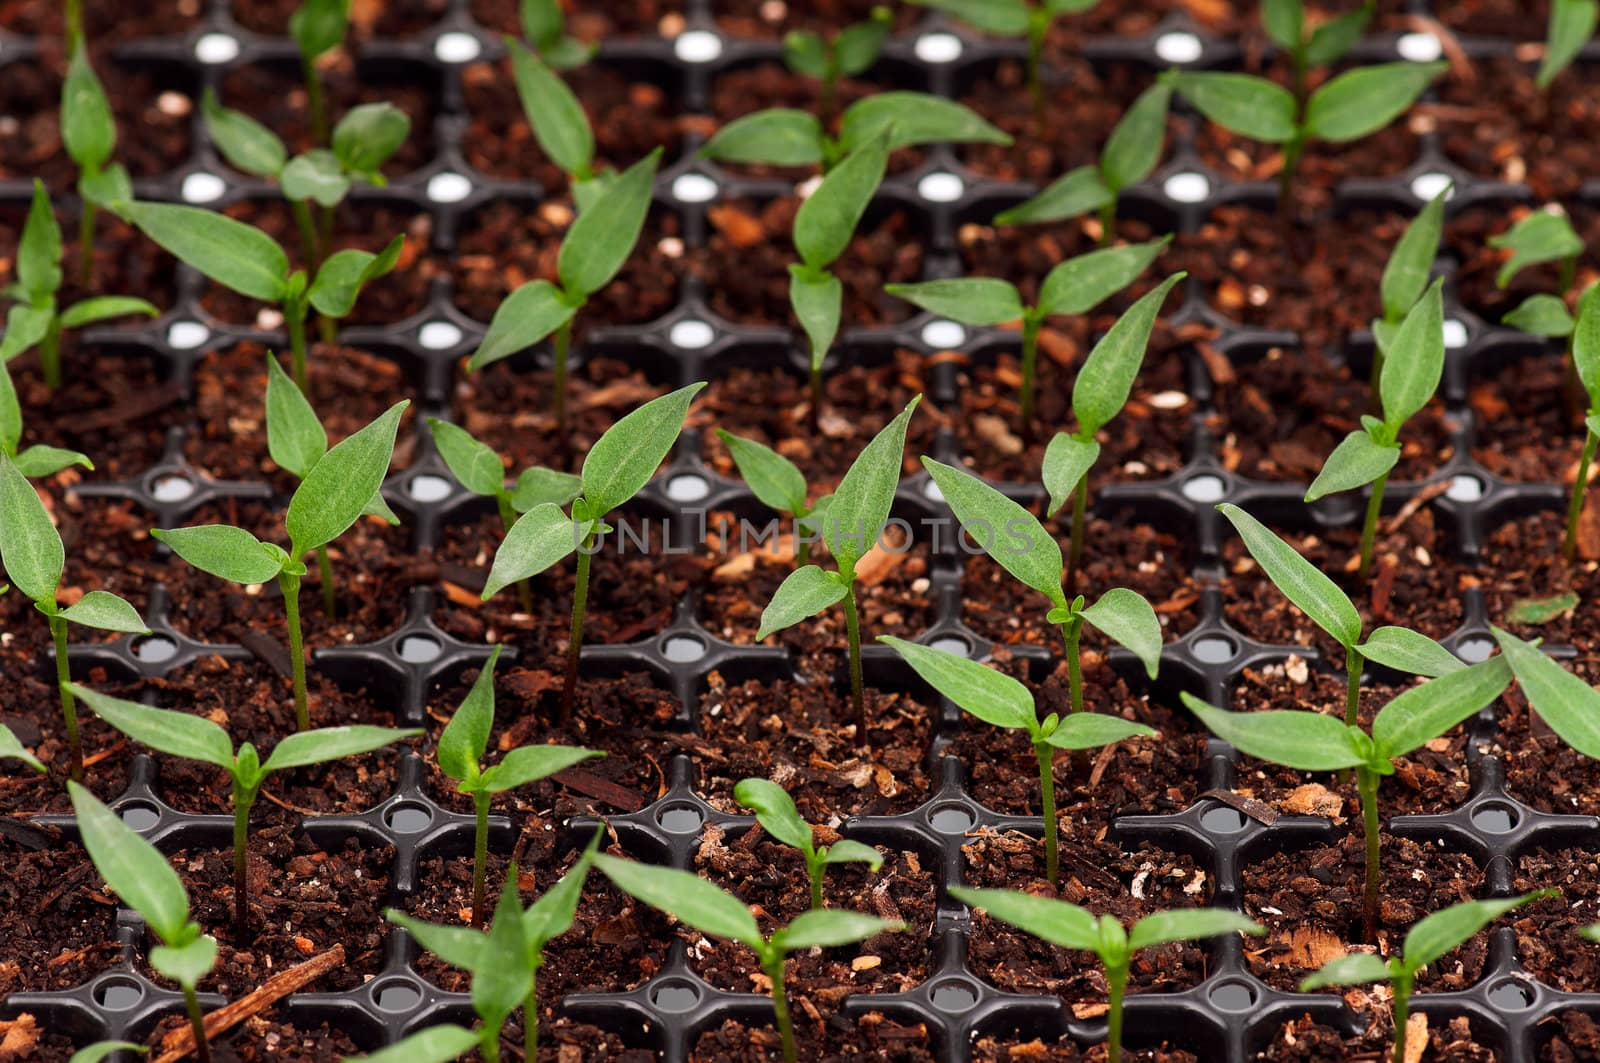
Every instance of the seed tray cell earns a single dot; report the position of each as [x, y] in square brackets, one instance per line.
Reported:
[1230, 1014]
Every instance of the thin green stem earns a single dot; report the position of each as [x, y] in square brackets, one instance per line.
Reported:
[852, 628]
[827, 95]
[309, 247]
[1354, 661]
[1569, 544]
[50, 354]
[1367, 787]
[1030, 359]
[197, 1022]
[86, 217]
[1070, 631]
[242, 801]
[580, 601]
[296, 318]
[314, 105]
[1402, 1014]
[489, 1047]
[780, 1007]
[815, 869]
[1045, 753]
[289, 584]
[1116, 986]
[73, 24]
[330, 604]
[530, 1020]
[1569, 272]
[69, 704]
[1080, 514]
[1291, 159]
[480, 854]
[1108, 221]
[1369, 527]
[816, 393]
[563, 343]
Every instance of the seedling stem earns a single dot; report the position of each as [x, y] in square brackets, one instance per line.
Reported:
[773, 969]
[1031, 324]
[1569, 544]
[1367, 787]
[480, 857]
[314, 105]
[1045, 752]
[297, 349]
[69, 705]
[1369, 528]
[242, 800]
[1080, 513]
[852, 627]
[289, 584]
[197, 1022]
[1071, 629]
[580, 598]
[1116, 985]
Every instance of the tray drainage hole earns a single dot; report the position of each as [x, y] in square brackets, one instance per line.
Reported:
[155, 649]
[1495, 818]
[439, 335]
[1511, 995]
[408, 818]
[931, 489]
[1419, 47]
[954, 997]
[172, 488]
[1233, 996]
[203, 187]
[186, 335]
[118, 993]
[689, 487]
[448, 187]
[216, 48]
[1206, 489]
[428, 488]
[419, 649]
[1425, 186]
[694, 188]
[675, 997]
[1455, 333]
[1475, 649]
[692, 334]
[1179, 47]
[456, 47]
[697, 46]
[943, 335]
[1187, 187]
[941, 187]
[396, 996]
[140, 815]
[952, 819]
[1214, 649]
[1464, 488]
[1223, 820]
[938, 47]
[682, 649]
[680, 819]
[952, 644]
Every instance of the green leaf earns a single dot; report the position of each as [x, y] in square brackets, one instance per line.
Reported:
[775, 811]
[969, 300]
[1586, 344]
[223, 551]
[1364, 100]
[1073, 193]
[107, 612]
[1358, 460]
[1405, 275]
[523, 318]
[1061, 924]
[1134, 147]
[1283, 20]
[465, 738]
[1091, 730]
[773, 478]
[1442, 931]
[1005, 530]
[335, 492]
[1004, 18]
[39, 250]
[459, 946]
[1130, 621]
[558, 120]
[30, 548]
[830, 928]
[368, 135]
[991, 696]
[858, 45]
[1106, 377]
[474, 464]
[344, 273]
[1414, 362]
[40, 461]
[249, 146]
[332, 743]
[1425, 712]
[1539, 237]
[26, 325]
[778, 136]
[1079, 284]
[1410, 651]
[1540, 315]
[1250, 106]
[502, 981]
[862, 501]
[1541, 610]
[805, 53]
[540, 537]
[318, 26]
[10, 413]
[1572, 23]
[1067, 460]
[130, 865]
[233, 254]
[600, 241]
[1334, 38]
[826, 220]
[690, 898]
[911, 118]
[817, 298]
[1300, 581]
[102, 307]
[1568, 704]
[295, 437]
[527, 764]
[110, 187]
[176, 734]
[436, 1044]
[318, 176]
[1353, 968]
[803, 594]
[102, 1050]
[1305, 741]
[538, 485]
[846, 851]
[87, 128]
[1189, 924]
[188, 963]
[624, 458]
[11, 746]
[542, 21]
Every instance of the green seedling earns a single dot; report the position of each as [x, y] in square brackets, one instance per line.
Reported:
[318, 27]
[559, 122]
[1310, 741]
[247, 260]
[1405, 277]
[37, 461]
[1570, 706]
[89, 133]
[146, 883]
[855, 519]
[544, 25]
[504, 964]
[998, 699]
[1312, 46]
[462, 746]
[1425, 942]
[845, 54]
[593, 251]
[336, 490]
[1412, 368]
[779, 485]
[1072, 288]
[1018, 543]
[1571, 26]
[775, 811]
[1068, 926]
[1317, 596]
[11, 748]
[694, 901]
[616, 468]
[34, 560]
[1348, 107]
[179, 734]
[1130, 155]
[35, 319]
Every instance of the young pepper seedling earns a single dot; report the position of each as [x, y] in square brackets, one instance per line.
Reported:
[779, 484]
[11, 748]
[544, 26]
[89, 133]
[775, 811]
[1405, 277]
[39, 460]
[1307, 46]
[850, 51]
[318, 27]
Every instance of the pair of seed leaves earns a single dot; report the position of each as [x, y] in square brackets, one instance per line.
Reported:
[477, 467]
[778, 816]
[89, 133]
[776, 481]
[619, 464]
[319, 26]
[545, 27]
[847, 53]
[35, 314]
[1328, 42]
[363, 140]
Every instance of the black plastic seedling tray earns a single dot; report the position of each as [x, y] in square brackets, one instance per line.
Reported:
[1228, 1015]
